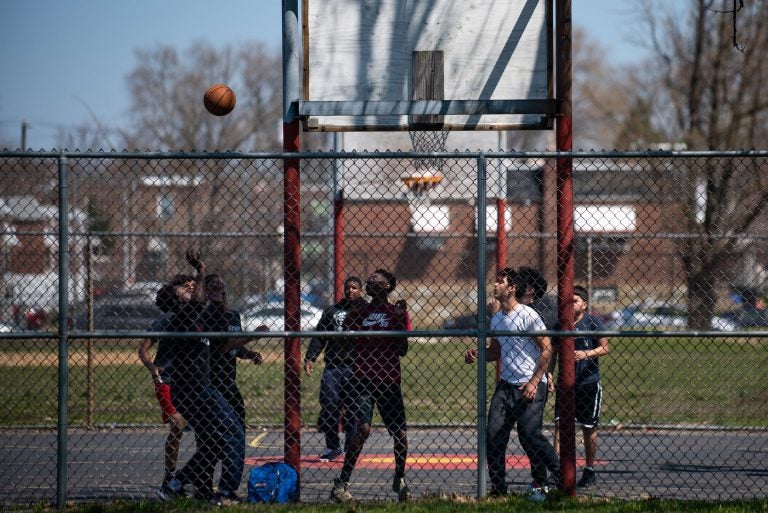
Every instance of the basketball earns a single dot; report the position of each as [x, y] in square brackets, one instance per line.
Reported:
[219, 99]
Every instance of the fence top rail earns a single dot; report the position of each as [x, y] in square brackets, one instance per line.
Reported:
[511, 154]
[415, 334]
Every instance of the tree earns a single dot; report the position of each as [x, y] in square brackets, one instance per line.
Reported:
[99, 221]
[167, 99]
[610, 104]
[601, 95]
[711, 94]
[166, 90]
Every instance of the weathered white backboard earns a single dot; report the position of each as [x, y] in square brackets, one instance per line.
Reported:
[488, 64]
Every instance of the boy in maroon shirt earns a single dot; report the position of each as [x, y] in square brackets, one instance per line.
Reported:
[376, 381]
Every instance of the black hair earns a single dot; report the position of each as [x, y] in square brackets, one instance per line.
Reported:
[165, 299]
[580, 291]
[210, 277]
[514, 278]
[389, 277]
[353, 279]
[535, 280]
[180, 279]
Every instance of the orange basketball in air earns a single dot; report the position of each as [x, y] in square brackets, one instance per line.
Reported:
[219, 99]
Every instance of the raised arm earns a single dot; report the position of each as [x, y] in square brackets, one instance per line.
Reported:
[193, 258]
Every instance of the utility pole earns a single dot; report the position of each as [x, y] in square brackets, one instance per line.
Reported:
[24, 126]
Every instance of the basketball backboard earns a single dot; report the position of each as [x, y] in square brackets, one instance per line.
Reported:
[426, 64]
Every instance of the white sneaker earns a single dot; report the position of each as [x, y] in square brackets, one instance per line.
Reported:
[537, 493]
[340, 492]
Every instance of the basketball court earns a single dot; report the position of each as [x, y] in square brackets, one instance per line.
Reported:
[126, 463]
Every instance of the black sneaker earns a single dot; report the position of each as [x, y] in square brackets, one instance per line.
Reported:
[205, 495]
[400, 487]
[588, 478]
[331, 454]
[171, 489]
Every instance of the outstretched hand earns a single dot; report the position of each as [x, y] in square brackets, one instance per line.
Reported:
[193, 258]
[401, 311]
[255, 357]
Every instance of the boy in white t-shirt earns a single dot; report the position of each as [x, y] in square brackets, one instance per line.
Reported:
[521, 393]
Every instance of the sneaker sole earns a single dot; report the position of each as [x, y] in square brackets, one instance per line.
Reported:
[339, 500]
[403, 494]
[165, 496]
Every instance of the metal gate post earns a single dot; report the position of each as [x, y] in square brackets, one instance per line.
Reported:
[63, 374]
[481, 325]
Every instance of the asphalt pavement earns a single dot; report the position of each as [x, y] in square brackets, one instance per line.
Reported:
[127, 463]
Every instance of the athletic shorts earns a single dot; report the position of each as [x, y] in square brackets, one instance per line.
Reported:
[589, 401]
[387, 397]
[163, 394]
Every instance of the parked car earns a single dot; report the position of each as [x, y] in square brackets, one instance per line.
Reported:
[466, 321]
[751, 317]
[272, 315]
[5, 328]
[119, 312]
[669, 316]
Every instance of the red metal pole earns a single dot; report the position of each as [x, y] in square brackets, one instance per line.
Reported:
[292, 277]
[565, 264]
[501, 234]
[291, 236]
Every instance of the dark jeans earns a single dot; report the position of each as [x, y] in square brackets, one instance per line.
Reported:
[334, 385]
[219, 435]
[507, 409]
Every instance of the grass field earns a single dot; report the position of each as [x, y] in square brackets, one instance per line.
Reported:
[690, 381]
[455, 505]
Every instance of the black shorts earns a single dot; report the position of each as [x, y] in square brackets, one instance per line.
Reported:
[387, 397]
[589, 401]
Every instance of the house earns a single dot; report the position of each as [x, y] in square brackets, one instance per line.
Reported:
[30, 249]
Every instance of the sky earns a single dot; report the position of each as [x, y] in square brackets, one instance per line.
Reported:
[65, 62]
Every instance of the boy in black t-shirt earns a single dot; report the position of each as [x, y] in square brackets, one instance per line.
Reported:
[337, 375]
[589, 391]
[219, 432]
[218, 317]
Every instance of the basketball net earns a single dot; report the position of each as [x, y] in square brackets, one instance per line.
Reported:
[428, 171]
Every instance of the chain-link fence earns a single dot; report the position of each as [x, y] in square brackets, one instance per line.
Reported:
[670, 247]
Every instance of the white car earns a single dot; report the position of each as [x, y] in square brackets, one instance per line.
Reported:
[272, 315]
[668, 316]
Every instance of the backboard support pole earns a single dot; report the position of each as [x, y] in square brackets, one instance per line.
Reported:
[565, 258]
[291, 236]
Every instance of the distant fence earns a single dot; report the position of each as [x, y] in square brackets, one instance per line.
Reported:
[671, 246]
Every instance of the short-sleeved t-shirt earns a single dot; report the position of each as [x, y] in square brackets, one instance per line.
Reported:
[163, 358]
[339, 352]
[190, 356]
[223, 365]
[378, 358]
[587, 370]
[519, 354]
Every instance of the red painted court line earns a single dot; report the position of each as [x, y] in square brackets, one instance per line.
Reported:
[415, 461]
